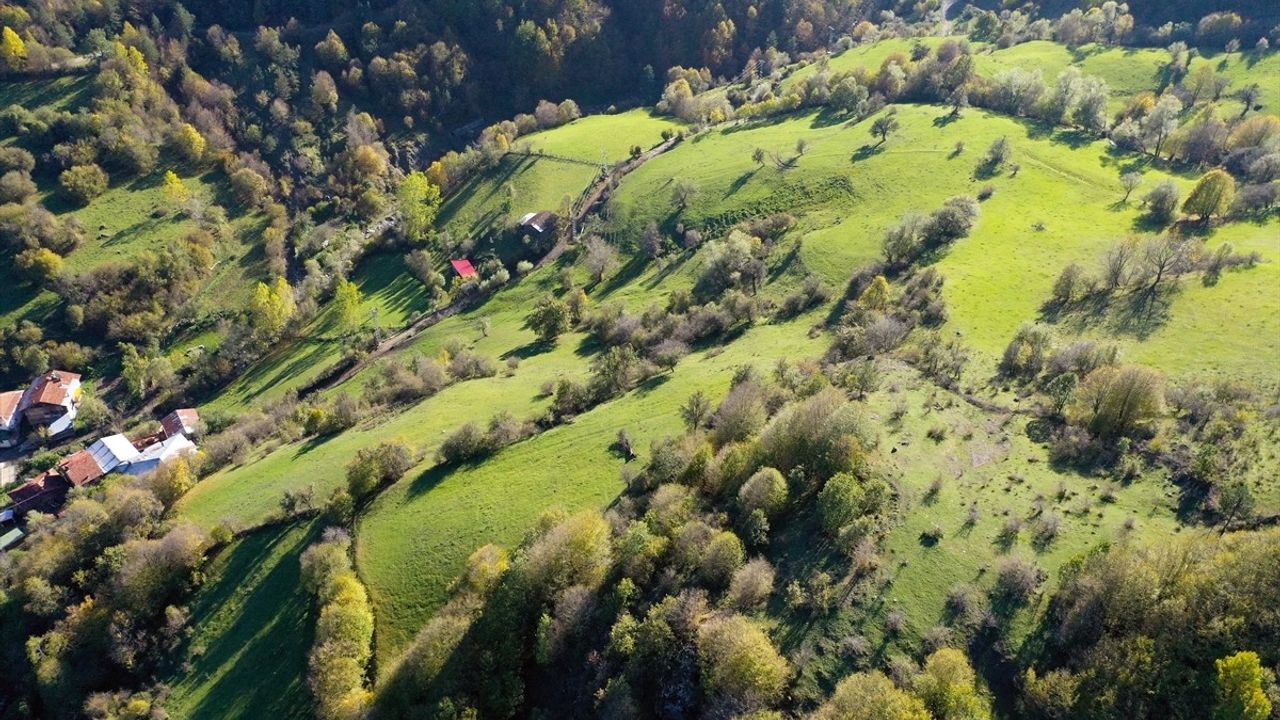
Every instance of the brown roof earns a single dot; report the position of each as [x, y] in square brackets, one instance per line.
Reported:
[45, 487]
[9, 405]
[80, 468]
[179, 421]
[51, 387]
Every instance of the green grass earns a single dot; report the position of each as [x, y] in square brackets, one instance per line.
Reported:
[414, 540]
[63, 93]
[131, 218]
[1001, 275]
[603, 137]
[1245, 68]
[391, 298]
[518, 185]
[251, 632]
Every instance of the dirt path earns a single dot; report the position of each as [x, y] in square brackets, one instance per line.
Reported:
[590, 199]
[598, 191]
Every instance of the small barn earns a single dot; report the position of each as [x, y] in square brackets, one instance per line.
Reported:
[464, 268]
[183, 421]
[539, 225]
[44, 492]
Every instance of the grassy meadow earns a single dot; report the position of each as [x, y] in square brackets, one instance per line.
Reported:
[252, 627]
[1062, 205]
[607, 138]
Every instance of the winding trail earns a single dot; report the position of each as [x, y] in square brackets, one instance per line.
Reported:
[587, 202]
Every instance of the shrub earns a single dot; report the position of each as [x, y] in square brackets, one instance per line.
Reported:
[765, 491]
[741, 414]
[822, 433]
[1016, 581]
[870, 696]
[740, 666]
[751, 585]
[82, 183]
[466, 444]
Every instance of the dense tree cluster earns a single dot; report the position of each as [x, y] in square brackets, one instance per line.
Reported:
[95, 594]
[344, 629]
[660, 590]
[1153, 631]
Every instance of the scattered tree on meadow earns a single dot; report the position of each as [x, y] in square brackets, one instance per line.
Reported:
[1130, 182]
[1162, 202]
[346, 303]
[549, 318]
[885, 125]
[83, 183]
[599, 257]
[1114, 401]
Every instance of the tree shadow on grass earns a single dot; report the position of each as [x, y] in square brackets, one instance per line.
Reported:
[827, 118]
[1074, 139]
[865, 152]
[260, 655]
[528, 350]
[740, 181]
[945, 119]
[633, 268]
[428, 479]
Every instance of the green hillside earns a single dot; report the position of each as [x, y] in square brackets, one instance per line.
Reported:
[932, 393]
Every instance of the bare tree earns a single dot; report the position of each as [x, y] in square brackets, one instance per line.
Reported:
[599, 257]
[1116, 264]
[1130, 182]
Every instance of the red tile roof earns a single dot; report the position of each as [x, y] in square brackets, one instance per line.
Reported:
[9, 405]
[463, 268]
[180, 421]
[51, 387]
[43, 488]
[80, 468]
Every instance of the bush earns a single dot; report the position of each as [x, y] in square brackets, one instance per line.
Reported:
[82, 183]
[740, 666]
[765, 491]
[16, 186]
[822, 433]
[741, 414]
[751, 586]
[466, 444]
[374, 466]
[1016, 581]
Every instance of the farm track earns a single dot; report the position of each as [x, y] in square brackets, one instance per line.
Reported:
[587, 202]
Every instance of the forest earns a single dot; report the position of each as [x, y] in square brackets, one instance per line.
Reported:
[764, 359]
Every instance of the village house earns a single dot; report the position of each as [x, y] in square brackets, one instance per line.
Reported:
[10, 418]
[114, 453]
[44, 493]
[52, 400]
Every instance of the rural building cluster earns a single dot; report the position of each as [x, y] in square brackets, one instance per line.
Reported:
[48, 406]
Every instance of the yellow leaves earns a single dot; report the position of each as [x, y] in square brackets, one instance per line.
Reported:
[876, 294]
[13, 51]
[175, 191]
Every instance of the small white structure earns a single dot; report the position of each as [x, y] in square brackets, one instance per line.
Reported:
[113, 451]
[161, 453]
[10, 417]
